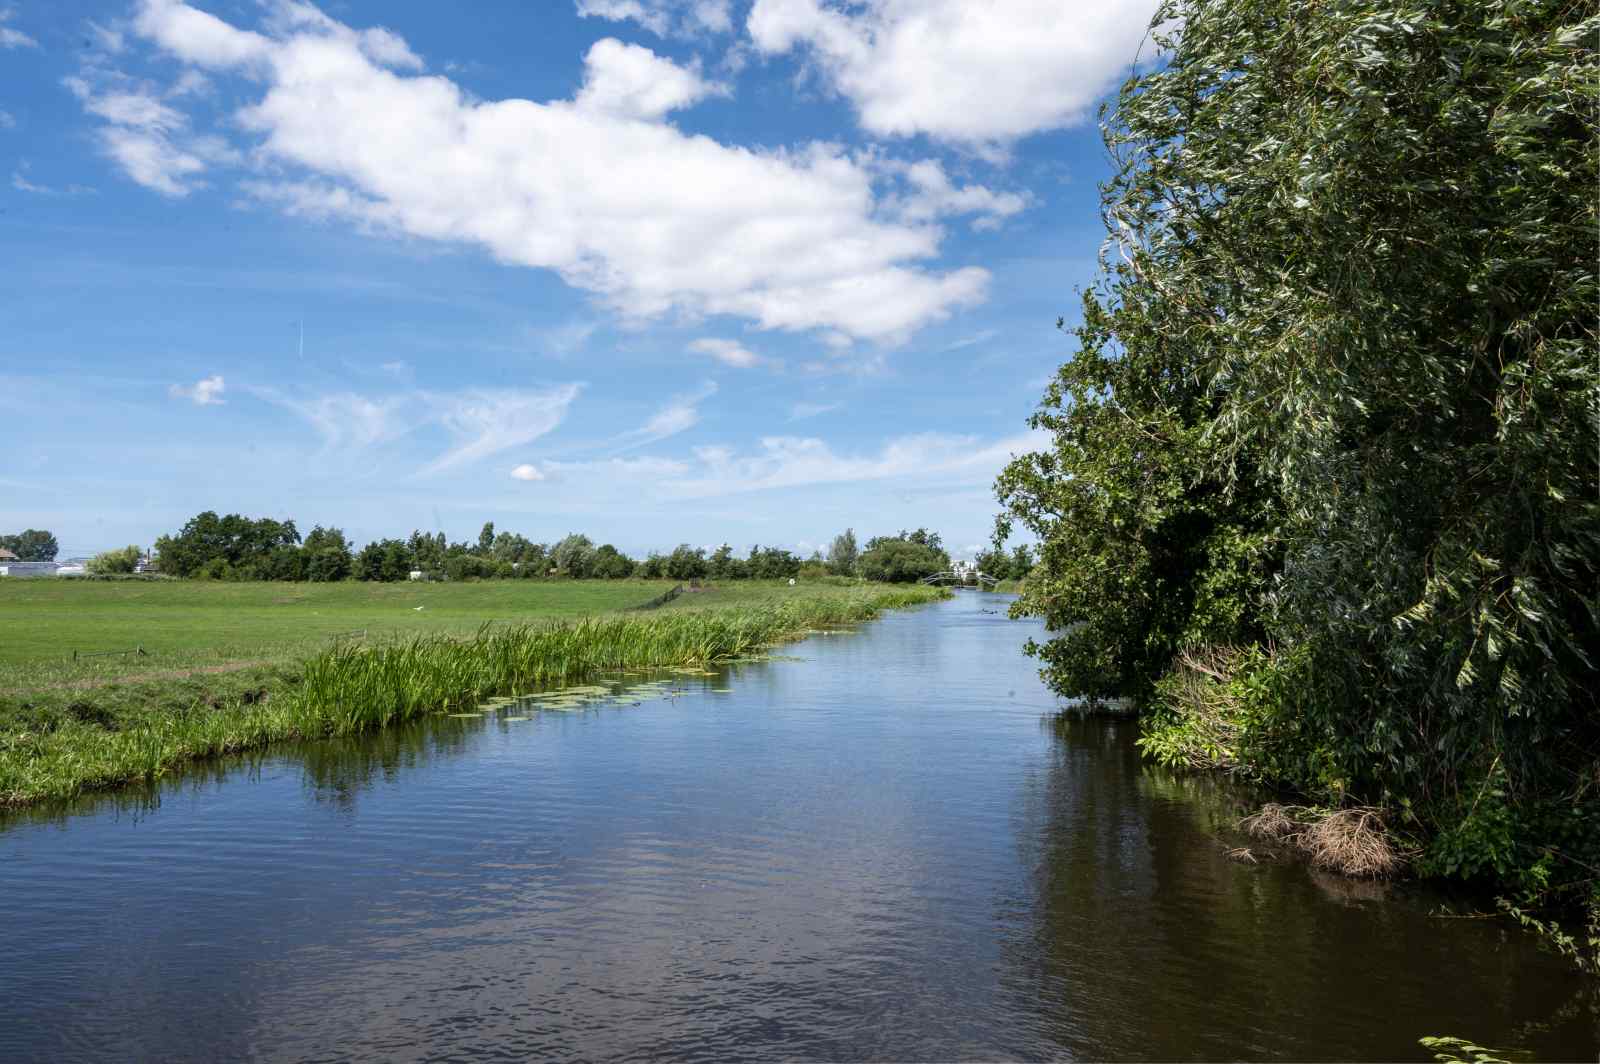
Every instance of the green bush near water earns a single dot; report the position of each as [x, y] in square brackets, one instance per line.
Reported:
[1331, 426]
[85, 741]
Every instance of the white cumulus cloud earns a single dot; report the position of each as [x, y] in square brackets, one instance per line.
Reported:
[205, 392]
[633, 82]
[956, 70]
[601, 188]
[526, 471]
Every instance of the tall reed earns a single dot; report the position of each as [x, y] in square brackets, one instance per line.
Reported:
[352, 687]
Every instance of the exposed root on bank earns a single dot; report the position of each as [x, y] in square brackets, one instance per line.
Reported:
[1272, 823]
[1351, 842]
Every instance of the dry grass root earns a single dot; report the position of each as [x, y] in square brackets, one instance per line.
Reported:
[1352, 842]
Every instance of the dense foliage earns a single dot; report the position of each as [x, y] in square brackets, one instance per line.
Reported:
[1335, 405]
[34, 545]
[904, 558]
[125, 560]
[998, 564]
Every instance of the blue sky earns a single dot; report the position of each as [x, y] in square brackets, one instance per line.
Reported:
[660, 271]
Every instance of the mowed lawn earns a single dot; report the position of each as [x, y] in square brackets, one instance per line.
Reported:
[184, 623]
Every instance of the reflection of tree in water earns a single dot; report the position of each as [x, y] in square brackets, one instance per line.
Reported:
[337, 770]
[1137, 936]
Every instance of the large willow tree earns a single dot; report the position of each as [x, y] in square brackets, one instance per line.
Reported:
[1336, 402]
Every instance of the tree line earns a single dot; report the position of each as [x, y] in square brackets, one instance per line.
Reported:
[234, 547]
[1322, 490]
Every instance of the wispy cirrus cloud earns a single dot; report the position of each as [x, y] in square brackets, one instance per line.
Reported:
[664, 18]
[13, 38]
[728, 352]
[20, 181]
[678, 414]
[802, 411]
[486, 423]
[793, 461]
[346, 419]
[945, 461]
[205, 392]
[481, 424]
[149, 139]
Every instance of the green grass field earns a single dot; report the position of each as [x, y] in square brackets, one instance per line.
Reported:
[195, 624]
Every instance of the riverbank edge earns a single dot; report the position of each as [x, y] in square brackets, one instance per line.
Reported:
[56, 748]
[1195, 723]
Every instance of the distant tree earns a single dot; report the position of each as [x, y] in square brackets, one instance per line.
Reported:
[486, 539]
[901, 561]
[719, 564]
[994, 562]
[654, 567]
[427, 551]
[772, 563]
[387, 560]
[572, 555]
[284, 563]
[922, 538]
[116, 561]
[686, 563]
[844, 555]
[34, 545]
[242, 544]
[468, 567]
[610, 564]
[1021, 561]
[327, 555]
[510, 547]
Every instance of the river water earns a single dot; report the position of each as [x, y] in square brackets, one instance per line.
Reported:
[887, 849]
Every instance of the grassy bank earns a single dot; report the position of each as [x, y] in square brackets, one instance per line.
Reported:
[46, 620]
[61, 741]
[184, 625]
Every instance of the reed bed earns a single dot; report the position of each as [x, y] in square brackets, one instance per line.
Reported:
[354, 687]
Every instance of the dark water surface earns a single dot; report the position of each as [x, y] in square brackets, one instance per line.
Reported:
[885, 851]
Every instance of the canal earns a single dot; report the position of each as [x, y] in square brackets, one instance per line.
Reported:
[883, 846]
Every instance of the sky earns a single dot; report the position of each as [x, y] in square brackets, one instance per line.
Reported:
[658, 271]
